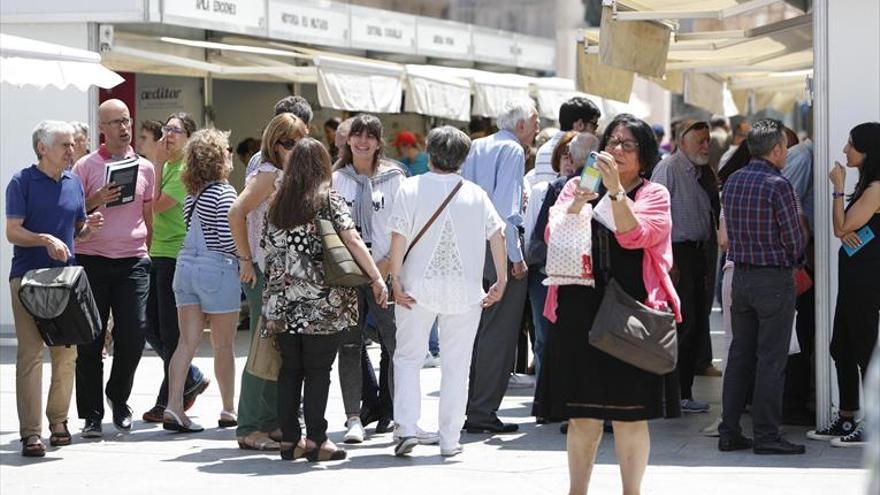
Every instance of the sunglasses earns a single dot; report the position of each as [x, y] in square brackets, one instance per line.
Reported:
[287, 144]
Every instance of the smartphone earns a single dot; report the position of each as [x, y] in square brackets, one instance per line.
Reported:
[590, 176]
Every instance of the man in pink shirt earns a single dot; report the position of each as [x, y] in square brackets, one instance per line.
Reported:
[118, 267]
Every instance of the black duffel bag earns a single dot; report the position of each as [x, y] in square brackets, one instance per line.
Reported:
[62, 304]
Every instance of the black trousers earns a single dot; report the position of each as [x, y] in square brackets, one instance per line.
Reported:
[799, 370]
[306, 361]
[694, 290]
[761, 313]
[855, 334]
[377, 395]
[162, 328]
[122, 286]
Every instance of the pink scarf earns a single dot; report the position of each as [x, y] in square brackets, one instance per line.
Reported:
[653, 234]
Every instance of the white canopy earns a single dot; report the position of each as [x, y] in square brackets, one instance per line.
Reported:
[24, 61]
[432, 91]
[346, 84]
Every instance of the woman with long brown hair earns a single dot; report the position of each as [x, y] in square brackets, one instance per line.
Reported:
[257, 409]
[303, 314]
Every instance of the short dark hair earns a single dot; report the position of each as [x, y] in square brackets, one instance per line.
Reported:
[718, 122]
[296, 105]
[649, 153]
[764, 136]
[333, 123]
[448, 147]
[154, 127]
[577, 108]
[480, 124]
[247, 145]
[189, 125]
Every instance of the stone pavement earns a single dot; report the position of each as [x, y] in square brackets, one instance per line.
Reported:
[151, 461]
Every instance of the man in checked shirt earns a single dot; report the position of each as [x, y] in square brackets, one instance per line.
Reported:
[766, 243]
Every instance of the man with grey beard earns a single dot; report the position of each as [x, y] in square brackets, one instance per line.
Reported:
[693, 190]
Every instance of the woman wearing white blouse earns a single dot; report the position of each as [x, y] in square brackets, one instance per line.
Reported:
[441, 279]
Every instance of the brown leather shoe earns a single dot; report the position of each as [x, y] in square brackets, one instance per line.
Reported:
[710, 370]
[154, 415]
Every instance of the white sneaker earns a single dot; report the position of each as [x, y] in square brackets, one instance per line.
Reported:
[712, 430]
[424, 437]
[454, 451]
[355, 431]
[431, 361]
[520, 381]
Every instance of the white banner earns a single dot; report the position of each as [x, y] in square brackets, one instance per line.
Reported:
[493, 46]
[323, 23]
[535, 53]
[443, 38]
[374, 29]
[236, 16]
[358, 86]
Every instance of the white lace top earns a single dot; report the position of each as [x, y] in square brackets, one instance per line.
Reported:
[256, 218]
[444, 271]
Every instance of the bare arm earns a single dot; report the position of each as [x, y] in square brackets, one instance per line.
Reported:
[499, 258]
[161, 201]
[17, 235]
[361, 254]
[257, 191]
[860, 212]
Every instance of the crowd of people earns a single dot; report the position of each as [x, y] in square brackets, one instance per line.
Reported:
[452, 244]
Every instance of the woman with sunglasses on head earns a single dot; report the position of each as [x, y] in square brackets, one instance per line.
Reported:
[579, 381]
[257, 411]
[168, 233]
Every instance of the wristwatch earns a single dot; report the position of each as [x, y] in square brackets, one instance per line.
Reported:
[618, 196]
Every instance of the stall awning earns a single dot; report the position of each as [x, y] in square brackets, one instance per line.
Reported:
[24, 61]
[433, 91]
[346, 84]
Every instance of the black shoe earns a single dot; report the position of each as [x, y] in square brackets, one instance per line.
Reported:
[779, 447]
[121, 415]
[369, 415]
[497, 427]
[730, 444]
[92, 429]
[384, 425]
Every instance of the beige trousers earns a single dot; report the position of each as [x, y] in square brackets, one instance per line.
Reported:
[29, 372]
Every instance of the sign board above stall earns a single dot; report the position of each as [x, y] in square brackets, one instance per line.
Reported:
[493, 46]
[322, 23]
[234, 16]
[443, 38]
[382, 30]
[535, 53]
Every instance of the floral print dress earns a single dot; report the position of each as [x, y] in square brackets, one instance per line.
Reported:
[295, 292]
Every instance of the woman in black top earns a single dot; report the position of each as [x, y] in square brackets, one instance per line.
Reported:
[857, 315]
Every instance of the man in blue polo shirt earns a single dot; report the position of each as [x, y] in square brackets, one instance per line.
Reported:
[45, 212]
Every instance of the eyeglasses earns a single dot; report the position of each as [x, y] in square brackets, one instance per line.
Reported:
[122, 122]
[627, 145]
[592, 126]
[168, 129]
[288, 144]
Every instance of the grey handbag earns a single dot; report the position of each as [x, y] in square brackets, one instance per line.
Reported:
[630, 331]
[61, 302]
[634, 333]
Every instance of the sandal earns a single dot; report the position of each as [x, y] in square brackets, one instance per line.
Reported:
[60, 438]
[33, 449]
[275, 435]
[294, 452]
[324, 454]
[173, 423]
[227, 420]
[257, 441]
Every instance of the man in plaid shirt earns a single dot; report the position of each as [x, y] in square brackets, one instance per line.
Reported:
[766, 244]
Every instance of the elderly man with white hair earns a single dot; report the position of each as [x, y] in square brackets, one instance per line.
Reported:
[45, 214]
[497, 164]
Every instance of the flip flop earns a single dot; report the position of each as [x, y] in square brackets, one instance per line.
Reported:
[262, 444]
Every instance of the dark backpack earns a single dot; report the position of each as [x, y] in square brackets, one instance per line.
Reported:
[61, 302]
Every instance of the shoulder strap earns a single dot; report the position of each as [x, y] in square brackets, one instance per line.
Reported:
[196, 201]
[434, 217]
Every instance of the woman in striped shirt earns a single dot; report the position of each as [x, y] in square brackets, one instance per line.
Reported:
[206, 279]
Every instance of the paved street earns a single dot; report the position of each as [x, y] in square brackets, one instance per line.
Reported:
[151, 461]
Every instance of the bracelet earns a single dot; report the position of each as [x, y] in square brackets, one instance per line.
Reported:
[836, 194]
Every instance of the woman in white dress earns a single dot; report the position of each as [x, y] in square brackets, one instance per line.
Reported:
[440, 278]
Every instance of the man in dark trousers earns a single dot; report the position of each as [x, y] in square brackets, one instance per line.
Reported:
[693, 190]
[766, 243]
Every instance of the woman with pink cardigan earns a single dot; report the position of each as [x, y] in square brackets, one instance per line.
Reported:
[580, 382]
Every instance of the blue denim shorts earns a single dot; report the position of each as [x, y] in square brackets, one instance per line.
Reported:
[210, 280]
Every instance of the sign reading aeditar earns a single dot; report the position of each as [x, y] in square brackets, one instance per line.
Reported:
[238, 16]
[160, 97]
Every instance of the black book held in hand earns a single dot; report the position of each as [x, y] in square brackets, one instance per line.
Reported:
[124, 174]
